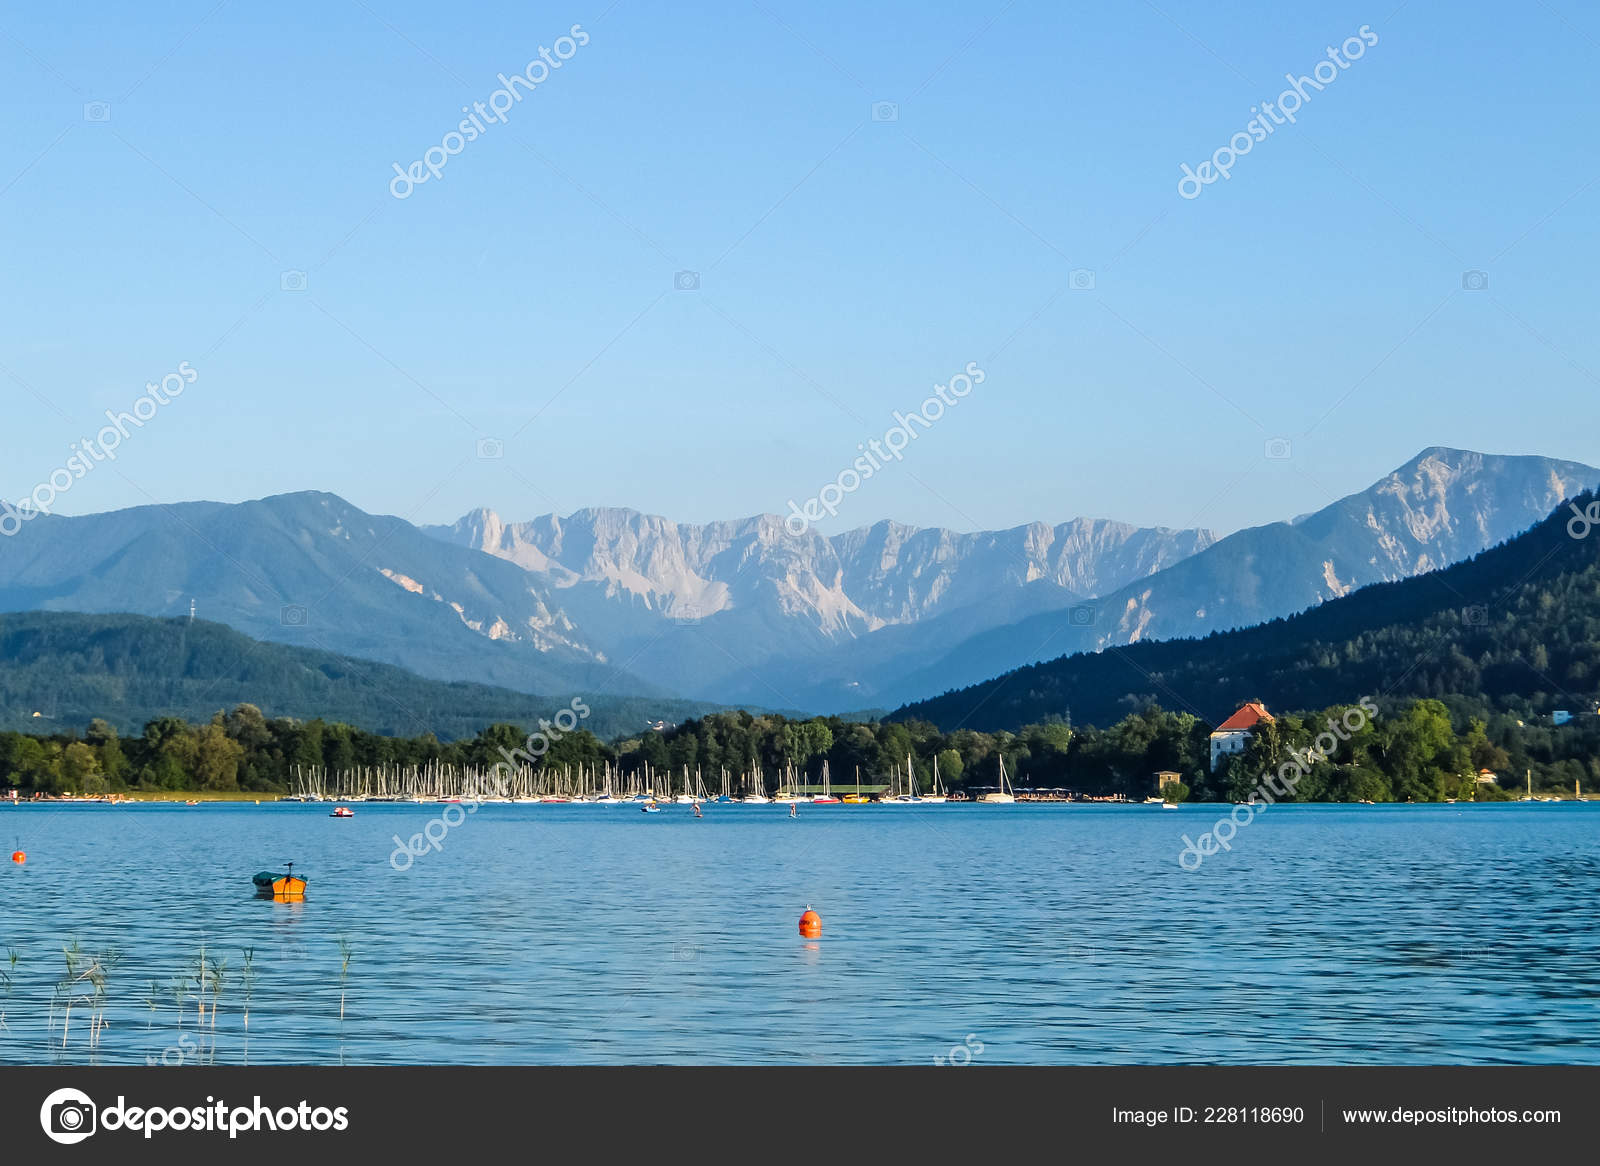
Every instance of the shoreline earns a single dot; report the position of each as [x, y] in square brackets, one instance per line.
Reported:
[214, 797]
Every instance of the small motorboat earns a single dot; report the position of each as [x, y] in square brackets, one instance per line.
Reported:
[287, 885]
[650, 808]
[342, 812]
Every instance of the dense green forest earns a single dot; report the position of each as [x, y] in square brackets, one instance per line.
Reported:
[129, 670]
[1419, 750]
[1515, 630]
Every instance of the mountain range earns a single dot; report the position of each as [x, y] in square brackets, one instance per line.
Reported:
[1514, 629]
[744, 612]
[1439, 508]
[313, 570]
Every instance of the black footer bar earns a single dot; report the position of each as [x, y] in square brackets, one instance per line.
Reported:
[317, 1115]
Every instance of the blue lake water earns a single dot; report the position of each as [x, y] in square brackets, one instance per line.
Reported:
[1043, 934]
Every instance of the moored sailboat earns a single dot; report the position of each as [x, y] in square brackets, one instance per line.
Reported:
[939, 795]
[825, 798]
[909, 798]
[1006, 794]
[757, 794]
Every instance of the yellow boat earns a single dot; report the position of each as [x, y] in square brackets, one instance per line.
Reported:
[285, 886]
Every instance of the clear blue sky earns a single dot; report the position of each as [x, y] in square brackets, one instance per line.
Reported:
[846, 264]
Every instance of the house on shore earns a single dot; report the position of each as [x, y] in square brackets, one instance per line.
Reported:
[1234, 733]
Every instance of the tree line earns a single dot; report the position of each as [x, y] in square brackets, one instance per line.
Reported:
[1413, 750]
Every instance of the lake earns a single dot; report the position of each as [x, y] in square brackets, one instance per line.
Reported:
[1028, 934]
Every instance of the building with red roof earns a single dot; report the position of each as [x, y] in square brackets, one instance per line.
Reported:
[1232, 735]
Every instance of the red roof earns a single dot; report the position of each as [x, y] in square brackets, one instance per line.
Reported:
[1245, 718]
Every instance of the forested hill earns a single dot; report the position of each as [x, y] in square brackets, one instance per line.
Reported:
[1514, 629]
[131, 669]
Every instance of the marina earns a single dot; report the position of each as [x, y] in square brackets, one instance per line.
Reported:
[605, 785]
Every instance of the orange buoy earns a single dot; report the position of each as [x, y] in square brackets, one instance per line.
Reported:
[18, 857]
[811, 924]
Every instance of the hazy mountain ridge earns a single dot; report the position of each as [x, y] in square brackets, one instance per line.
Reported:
[1439, 508]
[702, 607]
[616, 601]
[311, 569]
[1513, 628]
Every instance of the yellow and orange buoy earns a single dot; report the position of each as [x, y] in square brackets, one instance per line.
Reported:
[811, 924]
[18, 857]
